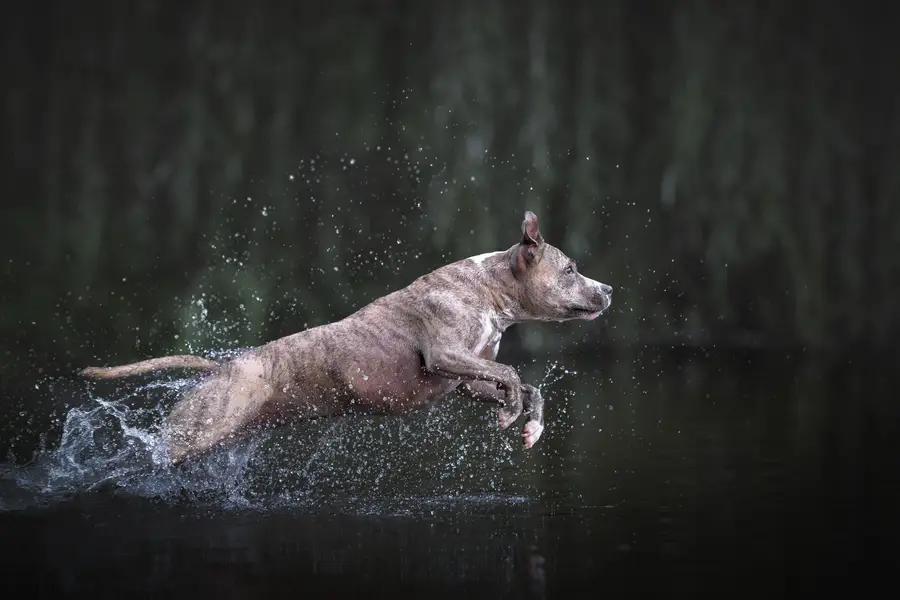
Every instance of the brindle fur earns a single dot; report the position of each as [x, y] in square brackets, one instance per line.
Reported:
[403, 351]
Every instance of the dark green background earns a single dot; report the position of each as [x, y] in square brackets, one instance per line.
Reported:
[730, 168]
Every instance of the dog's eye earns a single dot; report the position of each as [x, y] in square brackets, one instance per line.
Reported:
[569, 270]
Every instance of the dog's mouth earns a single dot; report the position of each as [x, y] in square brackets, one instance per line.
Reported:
[588, 314]
[591, 313]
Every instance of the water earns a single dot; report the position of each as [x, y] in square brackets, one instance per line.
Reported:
[681, 474]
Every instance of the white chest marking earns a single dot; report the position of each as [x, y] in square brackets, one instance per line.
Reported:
[490, 336]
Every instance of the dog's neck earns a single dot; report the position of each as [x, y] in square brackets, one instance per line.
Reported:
[501, 290]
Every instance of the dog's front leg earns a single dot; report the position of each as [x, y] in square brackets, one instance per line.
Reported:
[483, 391]
[459, 364]
[532, 404]
[534, 411]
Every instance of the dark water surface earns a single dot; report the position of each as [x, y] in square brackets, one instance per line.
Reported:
[697, 474]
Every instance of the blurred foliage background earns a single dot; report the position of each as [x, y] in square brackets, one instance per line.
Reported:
[198, 175]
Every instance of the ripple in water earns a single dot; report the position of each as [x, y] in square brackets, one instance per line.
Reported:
[447, 457]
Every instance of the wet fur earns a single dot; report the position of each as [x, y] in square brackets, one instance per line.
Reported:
[399, 353]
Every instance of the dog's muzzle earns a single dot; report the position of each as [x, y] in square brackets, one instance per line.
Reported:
[607, 301]
[600, 300]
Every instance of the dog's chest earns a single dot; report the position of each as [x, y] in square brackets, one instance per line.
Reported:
[489, 337]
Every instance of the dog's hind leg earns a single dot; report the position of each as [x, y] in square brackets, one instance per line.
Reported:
[221, 409]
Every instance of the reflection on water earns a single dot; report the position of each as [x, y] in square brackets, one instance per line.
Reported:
[682, 474]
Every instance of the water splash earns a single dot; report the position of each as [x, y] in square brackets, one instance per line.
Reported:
[450, 455]
[554, 373]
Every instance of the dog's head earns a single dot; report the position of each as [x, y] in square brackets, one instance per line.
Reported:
[550, 286]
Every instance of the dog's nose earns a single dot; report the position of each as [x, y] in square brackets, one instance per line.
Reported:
[606, 289]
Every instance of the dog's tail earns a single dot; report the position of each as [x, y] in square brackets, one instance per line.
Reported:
[185, 361]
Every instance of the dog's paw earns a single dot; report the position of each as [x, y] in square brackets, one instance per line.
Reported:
[507, 416]
[531, 433]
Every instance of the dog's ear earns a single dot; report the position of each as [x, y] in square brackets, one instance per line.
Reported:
[531, 234]
[530, 247]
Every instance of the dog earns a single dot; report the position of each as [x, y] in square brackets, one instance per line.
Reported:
[401, 352]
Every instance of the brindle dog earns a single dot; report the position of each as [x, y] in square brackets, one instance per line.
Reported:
[402, 352]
